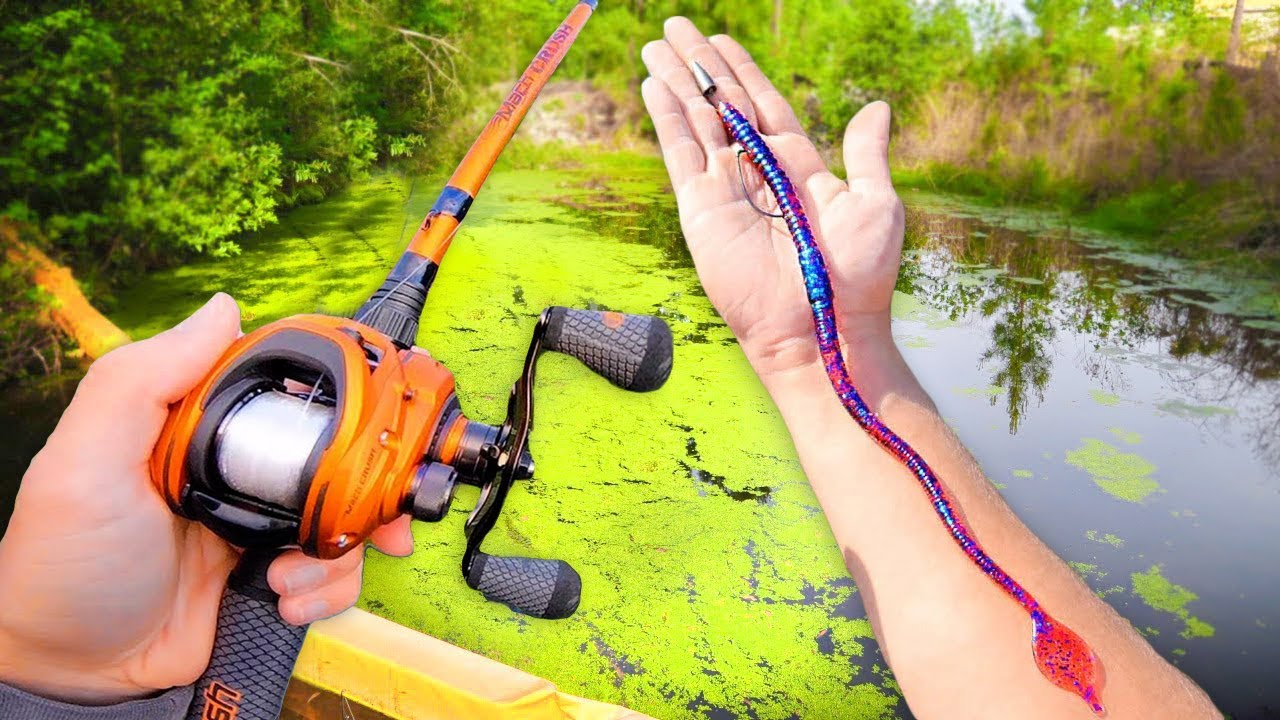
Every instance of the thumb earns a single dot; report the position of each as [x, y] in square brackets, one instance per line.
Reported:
[121, 404]
[185, 353]
[866, 146]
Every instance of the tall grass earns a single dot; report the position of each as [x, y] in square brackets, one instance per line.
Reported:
[1131, 122]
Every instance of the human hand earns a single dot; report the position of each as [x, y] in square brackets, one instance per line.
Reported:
[105, 594]
[746, 261]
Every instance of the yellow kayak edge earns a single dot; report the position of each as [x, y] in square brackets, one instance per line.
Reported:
[407, 675]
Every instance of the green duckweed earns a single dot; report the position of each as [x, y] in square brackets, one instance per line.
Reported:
[1103, 397]
[1129, 438]
[1160, 594]
[1106, 538]
[1184, 409]
[1124, 476]
[710, 577]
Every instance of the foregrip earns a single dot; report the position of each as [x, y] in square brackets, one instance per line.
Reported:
[254, 649]
[547, 589]
[631, 351]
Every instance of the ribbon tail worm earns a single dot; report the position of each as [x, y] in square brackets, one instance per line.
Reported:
[1061, 655]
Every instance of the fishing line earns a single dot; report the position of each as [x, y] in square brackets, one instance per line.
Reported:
[364, 312]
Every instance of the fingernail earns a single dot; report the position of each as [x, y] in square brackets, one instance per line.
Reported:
[314, 610]
[199, 316]
[307, 577]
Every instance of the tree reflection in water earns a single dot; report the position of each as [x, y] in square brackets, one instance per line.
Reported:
[1032, 286]
[1033, 283]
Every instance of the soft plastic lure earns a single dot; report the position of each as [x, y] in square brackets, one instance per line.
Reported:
[1062, 656]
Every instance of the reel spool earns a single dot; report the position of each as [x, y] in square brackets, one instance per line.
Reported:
[264, 442]
[314, 431]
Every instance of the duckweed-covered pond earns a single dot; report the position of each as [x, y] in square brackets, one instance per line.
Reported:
[1125, 406]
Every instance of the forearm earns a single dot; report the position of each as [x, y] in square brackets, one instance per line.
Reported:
[958, 645]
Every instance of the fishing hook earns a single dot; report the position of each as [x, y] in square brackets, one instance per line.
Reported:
[742, 177]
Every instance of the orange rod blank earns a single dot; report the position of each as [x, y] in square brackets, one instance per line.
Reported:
[433, 237]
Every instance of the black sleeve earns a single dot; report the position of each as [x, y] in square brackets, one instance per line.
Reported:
[17, 704]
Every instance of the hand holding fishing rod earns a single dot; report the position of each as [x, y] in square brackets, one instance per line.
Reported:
[105, 595]
[314, 431]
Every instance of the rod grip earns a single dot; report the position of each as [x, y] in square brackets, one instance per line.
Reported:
[630, 351]
[254, 649]
[548, 589]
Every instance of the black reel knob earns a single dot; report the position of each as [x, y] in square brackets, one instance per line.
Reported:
[433, 488]
[630, 351]
[548, 589]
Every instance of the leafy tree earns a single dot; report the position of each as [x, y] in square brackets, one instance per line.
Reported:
[139, 131]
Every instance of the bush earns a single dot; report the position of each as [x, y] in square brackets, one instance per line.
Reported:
[139, 131]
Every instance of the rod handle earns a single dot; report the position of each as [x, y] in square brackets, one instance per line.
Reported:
[630, 351]
[254, 649]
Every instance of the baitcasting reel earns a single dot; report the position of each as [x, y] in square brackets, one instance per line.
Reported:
[316, 430]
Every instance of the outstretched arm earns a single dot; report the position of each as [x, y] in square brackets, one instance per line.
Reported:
[958, 645]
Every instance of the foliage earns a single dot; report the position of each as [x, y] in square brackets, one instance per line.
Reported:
[1119, 108]
[136, 131]
[829, 58]
[1081, 103]
[141, 132]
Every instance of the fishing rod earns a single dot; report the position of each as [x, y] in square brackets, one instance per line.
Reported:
[1062, 656]
[396, 306]
[313, 431]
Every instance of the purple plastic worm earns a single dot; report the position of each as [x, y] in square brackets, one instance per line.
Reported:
[1062, 656]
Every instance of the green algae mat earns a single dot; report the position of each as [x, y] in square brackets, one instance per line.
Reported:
[1127, 426]
[710, 577]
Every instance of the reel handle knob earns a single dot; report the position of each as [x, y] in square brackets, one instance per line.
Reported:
[548, 589]
[630, 351]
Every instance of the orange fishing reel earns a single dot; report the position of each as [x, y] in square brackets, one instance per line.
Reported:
[321, 398]
[314, 431]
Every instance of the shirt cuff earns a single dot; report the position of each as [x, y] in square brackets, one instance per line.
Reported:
[18, 704]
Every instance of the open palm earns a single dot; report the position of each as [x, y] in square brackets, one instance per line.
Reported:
[746, 260]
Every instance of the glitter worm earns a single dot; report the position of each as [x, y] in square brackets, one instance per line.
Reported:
[1062, 656]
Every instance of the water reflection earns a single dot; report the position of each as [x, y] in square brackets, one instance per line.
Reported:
[27, 414]
[1031, 286]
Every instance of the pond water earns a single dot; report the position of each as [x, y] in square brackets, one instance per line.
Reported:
[1126, 408]
[27, 414]
[303, 701]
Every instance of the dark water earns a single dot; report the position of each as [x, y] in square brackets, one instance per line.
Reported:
[303, 701]
[1127, 408]
[27, 414]
[1162, 386]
